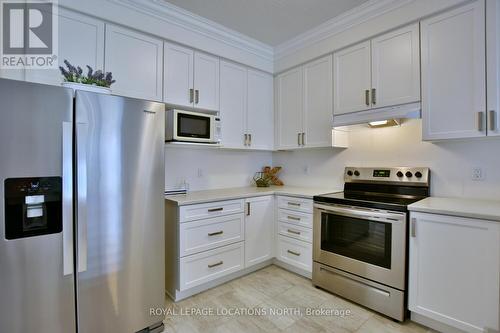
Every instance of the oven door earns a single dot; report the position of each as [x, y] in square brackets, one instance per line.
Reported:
[366, 242]
[193, 127]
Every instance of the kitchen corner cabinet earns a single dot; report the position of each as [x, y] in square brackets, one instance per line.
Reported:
[453, 73]
[191, 78]
[381, 72]
[246, 107]
[259, 227]
[81, 42]
[135, 60]
[304, 106]
[454, 272]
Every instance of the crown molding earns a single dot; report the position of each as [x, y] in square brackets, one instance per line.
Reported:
[172, 14]
[338, 24]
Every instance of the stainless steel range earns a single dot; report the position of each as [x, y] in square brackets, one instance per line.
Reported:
[360, 236]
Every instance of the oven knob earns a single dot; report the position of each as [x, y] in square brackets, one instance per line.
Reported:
[400, 174]
[356, 173]
[408, 174]
[349, 173]
[418, 174]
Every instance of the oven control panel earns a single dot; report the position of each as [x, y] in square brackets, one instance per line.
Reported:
[414, 175]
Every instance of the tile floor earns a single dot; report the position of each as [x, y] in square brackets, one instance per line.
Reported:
[274, 289]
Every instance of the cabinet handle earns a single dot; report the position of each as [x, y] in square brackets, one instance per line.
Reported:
[293, 218]
[367, 97]
[294, 253]
[215, 233]
[246, 140]
[196, 96]
[492, 119]
[298, 139]
[211, 210]
[191, 95]
[248, 208]
[303, 138]
[293, 204]
[293, 232]
[249, 139]
[413, 227]
[374, 96]
[480, 116]
[216, 264]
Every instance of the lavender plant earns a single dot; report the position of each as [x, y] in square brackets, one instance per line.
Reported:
[75, 74]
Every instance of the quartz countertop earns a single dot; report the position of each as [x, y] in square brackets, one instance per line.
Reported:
[196, 197]
[472, 208]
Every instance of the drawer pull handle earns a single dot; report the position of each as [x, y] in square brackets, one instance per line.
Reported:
[294, 204]
[211, 210]
[216, 264]
[293, 232]
[215, 233]
[293, 218]
[294, 253]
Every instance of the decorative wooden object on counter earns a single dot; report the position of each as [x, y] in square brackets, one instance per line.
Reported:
[272, 174]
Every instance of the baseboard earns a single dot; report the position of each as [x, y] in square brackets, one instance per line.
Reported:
[435, 325]
[293, 269]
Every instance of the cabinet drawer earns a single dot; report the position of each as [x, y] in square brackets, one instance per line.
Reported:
[294, 217]
[210, 265]
[203, 235]
[211, 209]
[296, 204]
[295, 231]
[295, 253]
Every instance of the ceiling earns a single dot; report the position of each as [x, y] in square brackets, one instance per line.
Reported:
[269, 21]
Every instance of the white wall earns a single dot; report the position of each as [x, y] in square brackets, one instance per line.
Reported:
[219, 168]
[451, 162]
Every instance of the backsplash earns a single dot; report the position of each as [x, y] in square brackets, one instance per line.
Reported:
[451, 162]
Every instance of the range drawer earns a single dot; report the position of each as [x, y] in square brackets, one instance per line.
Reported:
[296, 204]
[210, 265]
[295, 252]
[203, 235]
[295, 231]
[294, 217]
[211, 209]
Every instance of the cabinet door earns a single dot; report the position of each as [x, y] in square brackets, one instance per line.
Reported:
[260, 112]
[454, 271]
[318, 112]
[396, 67]
[136, 62]
[233, 103]
[206, 81]
[453, 74]
[289, 87]
[178, 65]
[81, 42]
[259, 226]
[352, 79]
[493, 65]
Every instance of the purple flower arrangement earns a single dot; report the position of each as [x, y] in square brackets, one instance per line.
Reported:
[96, 78]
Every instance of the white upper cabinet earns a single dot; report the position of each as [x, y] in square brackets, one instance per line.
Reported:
[136, 61]
[259, 230]
[233, 104]
[453, 73]
[318, 112]
[396, 67]
[260, 110]
[289, 96]
[493, 65]
[178, 64]
[454, 271]
[81, 42]
[206, 81]
[352, 79]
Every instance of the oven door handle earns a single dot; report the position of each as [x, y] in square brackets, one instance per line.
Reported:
[387, 217]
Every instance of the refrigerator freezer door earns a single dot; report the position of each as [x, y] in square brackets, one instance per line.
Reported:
[120, 180]
[36, 273]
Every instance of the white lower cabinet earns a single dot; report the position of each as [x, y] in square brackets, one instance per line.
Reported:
[259, 230]
[454, 273]
[295, 252]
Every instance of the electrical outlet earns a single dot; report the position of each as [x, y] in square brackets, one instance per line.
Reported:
[477, 174]
[306, 169]
[200, 172]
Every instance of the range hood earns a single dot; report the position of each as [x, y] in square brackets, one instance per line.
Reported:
[404, 111]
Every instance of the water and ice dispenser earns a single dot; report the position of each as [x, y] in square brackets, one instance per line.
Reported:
[33, 206]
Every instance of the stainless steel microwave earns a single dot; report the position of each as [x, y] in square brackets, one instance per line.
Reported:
[190, 126]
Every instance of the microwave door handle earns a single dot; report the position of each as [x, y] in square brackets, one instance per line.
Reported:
[81, 159]
[67, 194]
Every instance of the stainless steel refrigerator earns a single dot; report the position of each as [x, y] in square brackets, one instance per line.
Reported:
[82, 213]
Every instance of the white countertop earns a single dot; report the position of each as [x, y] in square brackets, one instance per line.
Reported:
[196, 197]
[473, 208]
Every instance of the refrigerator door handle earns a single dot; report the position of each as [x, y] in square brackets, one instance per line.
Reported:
[67, 192]
[81, 169]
